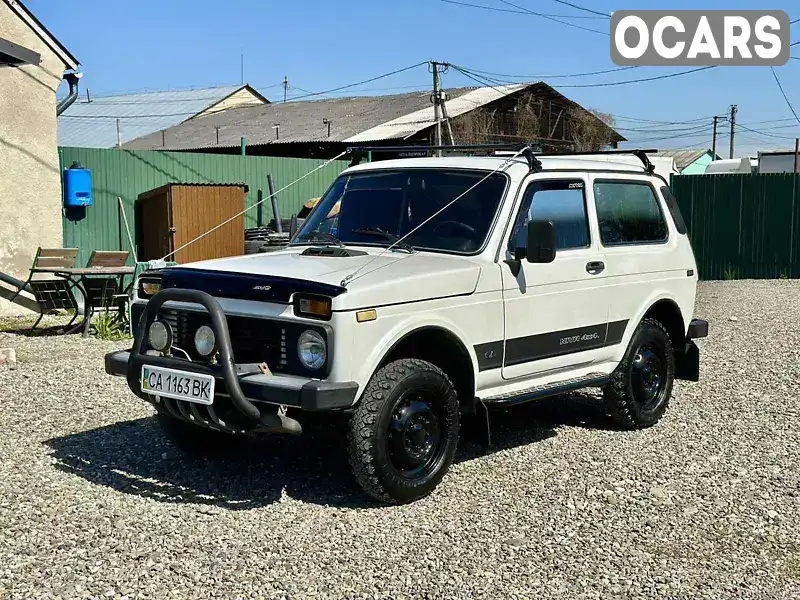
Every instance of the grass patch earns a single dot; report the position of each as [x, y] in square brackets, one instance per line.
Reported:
[108, 327]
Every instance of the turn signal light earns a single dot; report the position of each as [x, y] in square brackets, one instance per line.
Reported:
[315, 307]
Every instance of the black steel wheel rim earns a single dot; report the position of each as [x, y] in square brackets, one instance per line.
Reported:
[416, 435]
[648, 376]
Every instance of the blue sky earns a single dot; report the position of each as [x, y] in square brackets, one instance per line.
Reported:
[178, 44]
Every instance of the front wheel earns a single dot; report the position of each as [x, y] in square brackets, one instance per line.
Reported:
[404, 432]
[640, 388]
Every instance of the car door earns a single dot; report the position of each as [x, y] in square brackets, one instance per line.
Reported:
[641, 255]
[556, 314]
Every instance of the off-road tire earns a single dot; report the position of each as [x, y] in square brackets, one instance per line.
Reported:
[197, 441]
[620, 393]
[369, 437]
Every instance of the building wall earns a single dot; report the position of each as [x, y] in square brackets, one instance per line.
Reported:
[30, 185]
[698, 167]
[241, 98]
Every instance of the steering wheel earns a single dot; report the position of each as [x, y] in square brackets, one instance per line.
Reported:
[458, 225]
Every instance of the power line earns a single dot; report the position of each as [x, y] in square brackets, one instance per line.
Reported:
[772, 135]
[615, 70]
[554, 18]
[623, 118]
[778, 81]
[371, 79]
[605, 84]
[516, 12]
[588, 10]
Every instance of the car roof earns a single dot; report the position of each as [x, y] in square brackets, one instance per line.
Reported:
[610, 163]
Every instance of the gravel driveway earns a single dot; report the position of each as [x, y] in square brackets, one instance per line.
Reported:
[95, 503]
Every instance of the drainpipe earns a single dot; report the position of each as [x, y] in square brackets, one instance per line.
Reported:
[72, 80]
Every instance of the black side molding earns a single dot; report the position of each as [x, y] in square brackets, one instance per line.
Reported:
[698, 328]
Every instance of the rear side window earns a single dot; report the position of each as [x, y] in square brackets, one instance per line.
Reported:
[674, 209]
[628, 213]
[563, 203]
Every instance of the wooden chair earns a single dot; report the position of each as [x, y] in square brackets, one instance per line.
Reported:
[52, 293]
[104, 291]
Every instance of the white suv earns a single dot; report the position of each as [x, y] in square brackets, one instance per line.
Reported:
[419, 293]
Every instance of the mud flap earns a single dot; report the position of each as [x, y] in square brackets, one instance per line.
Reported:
[687, 362]
[477, 425]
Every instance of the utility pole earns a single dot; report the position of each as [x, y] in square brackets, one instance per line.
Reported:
[796, 153]
[285, 87]
[436, 99]
[119, 135]
[734, 109]
[714, 143]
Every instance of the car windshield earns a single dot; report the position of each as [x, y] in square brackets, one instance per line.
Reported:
[379, 207]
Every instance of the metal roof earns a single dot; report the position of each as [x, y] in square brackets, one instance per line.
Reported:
[683, 157]
[352, 120]
[93, 124]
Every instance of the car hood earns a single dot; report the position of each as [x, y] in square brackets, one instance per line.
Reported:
[377, 279]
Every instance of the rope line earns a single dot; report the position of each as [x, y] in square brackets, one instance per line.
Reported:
[299, 179]
[353, 276]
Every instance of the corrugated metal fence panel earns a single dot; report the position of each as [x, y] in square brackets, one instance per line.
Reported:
[127, 173]
[742, 226]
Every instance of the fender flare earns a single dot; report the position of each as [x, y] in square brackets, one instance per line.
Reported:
[402, 332]
[660, 295]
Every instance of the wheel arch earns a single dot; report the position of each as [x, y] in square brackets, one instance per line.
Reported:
[669, 314]
[440, 346]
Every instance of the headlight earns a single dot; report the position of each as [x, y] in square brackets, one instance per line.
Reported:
[148, 287]
[205, 342]
[160, 336]
[311, 349]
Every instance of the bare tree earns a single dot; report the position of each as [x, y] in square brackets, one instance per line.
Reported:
[589, 130]
[483, 126]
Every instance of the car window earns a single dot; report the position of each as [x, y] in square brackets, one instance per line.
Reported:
[628, 213]
[562, 202]
[448, 210]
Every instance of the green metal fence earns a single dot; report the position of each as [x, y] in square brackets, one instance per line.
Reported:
[127, 173]
[742, 226]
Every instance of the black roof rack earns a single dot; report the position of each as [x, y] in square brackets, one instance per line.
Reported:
[532, 156]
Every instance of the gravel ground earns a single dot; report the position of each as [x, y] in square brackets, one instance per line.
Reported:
[95, 503]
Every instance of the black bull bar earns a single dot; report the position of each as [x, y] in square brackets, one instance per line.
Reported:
[263, 419]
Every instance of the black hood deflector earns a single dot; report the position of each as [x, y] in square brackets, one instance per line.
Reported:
[244, 286]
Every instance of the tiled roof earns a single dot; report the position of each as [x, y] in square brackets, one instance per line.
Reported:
[94, 124]
[352, 119]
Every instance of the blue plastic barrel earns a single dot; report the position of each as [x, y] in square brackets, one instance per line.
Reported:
[77, 186]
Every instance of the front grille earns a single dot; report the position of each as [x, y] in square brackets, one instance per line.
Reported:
[253, 340]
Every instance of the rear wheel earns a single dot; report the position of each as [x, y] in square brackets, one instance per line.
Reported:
[195, 440]
[640, 388]
[404, 432]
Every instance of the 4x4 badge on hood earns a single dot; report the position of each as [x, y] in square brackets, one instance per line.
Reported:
[264, 288]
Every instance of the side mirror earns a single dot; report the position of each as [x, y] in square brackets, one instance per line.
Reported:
[541, 242]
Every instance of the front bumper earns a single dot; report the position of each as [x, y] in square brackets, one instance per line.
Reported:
[245, 401]
[687, 358]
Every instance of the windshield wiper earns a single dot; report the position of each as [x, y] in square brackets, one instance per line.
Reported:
[378, 232]
[321, 236]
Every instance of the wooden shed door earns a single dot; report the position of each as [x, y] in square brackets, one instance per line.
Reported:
[156, 224]
[198, 209]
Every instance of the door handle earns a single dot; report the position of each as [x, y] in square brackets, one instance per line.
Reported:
[595, 267]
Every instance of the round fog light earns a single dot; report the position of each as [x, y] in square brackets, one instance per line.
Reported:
[311, 349]
[160, 336]
[205, 342]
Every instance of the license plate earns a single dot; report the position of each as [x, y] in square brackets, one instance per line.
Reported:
[171, 383]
